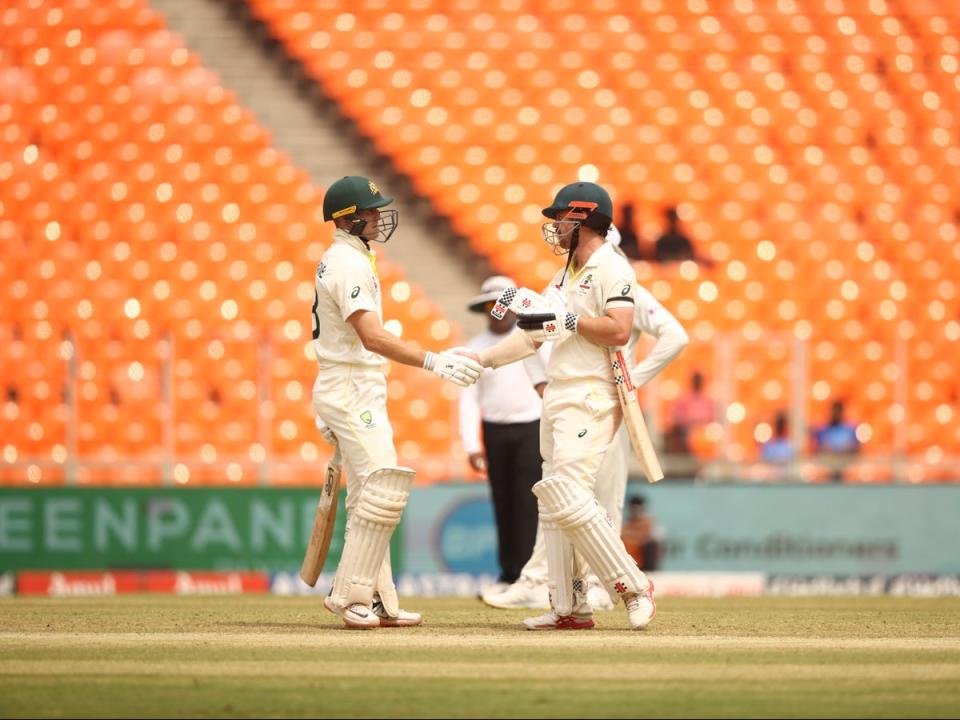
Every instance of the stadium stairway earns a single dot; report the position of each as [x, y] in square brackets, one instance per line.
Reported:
[311, 131]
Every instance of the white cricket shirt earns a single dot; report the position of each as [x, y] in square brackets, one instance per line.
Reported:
[345, 281]
[606, 281]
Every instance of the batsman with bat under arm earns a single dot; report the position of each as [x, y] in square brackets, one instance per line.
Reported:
[649, 318]
[350, 397]
[588, 309]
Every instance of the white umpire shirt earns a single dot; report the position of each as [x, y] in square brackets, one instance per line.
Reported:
[504, 396]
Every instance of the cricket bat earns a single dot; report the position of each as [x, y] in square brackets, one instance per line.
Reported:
[633, 417]
[323, 522]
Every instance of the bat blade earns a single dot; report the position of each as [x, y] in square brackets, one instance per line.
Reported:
[323, 523]
[633, 417]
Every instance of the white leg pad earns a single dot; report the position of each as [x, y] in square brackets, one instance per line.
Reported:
[372, 522]
[585, 523]
[385, 587]
[559, 552]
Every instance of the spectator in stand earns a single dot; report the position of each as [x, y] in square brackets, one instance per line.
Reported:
[778, 450]
[837, 440]
[641, 535]
[673, 245]
[629, 239]
[691, 410]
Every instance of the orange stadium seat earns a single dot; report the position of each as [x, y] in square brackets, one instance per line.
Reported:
[128, 172]
[813, 148]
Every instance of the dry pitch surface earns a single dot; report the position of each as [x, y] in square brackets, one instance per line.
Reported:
[139, 656]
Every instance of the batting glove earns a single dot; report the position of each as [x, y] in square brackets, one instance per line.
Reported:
[548, 327]
[458, 369]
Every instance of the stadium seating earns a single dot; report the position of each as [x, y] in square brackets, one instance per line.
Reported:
[155, 247]
[810, 147]
[156, 258]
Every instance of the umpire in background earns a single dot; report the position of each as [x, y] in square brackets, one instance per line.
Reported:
[506, 405]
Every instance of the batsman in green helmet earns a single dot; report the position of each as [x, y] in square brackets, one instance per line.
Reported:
[350, 398]
[587, 310]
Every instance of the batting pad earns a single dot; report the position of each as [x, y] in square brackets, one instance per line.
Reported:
[372, 522]
[587, 526]
[560, 570]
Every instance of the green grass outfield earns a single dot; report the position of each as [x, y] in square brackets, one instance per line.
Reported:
[135, 656]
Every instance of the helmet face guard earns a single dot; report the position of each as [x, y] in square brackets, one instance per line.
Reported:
[556, 231]
[386, 225]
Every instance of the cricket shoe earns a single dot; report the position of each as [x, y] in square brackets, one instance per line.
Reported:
[403, 619]
[641, 608]
[355, 615]
[497, 587]
[522, 594]
[552, 621]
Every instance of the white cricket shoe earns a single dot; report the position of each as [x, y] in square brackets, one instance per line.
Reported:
[641, 608]
[552, 621]
[404, 619]
[355, 615]
[492, 589]
[522, 594]
[598, 597]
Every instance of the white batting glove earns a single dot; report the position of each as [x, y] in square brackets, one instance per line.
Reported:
[449, 365]
[518, 300]
[325, 432]
[549, 326]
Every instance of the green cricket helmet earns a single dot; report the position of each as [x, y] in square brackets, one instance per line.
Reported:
[350, 194]
[589, 205]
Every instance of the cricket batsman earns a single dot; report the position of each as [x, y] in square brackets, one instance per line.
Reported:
[652, 318]
[350, 395]
[591, 303]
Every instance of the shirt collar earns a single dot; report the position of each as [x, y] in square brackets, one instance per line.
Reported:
[342, 236]
[595, 258]
[598, 255]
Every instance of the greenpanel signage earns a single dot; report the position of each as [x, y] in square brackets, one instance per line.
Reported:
[202, 529]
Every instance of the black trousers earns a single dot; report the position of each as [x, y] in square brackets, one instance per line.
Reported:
[513, 466]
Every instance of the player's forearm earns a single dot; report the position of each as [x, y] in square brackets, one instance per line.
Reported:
[384, 343]
[516, 346]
